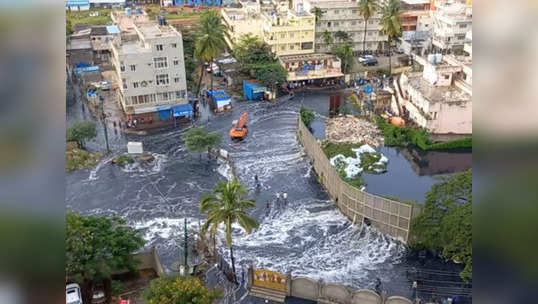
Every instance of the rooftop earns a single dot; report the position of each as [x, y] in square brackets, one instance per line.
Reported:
[438, 94]
[79, 44]
[132, 47]
[153, 30]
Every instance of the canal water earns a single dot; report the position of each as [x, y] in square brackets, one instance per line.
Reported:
[308, 236]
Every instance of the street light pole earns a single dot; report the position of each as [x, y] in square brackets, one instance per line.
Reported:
[185, 246]
[103, 120]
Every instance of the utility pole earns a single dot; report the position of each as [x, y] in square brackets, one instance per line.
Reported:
[103, 118]
[185, 246]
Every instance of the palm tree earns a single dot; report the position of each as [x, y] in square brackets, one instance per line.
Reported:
[390, 21]
[210, 41]
[367, 9]
[327, 38]
[226, 205]
[318, 13]
[345, 53]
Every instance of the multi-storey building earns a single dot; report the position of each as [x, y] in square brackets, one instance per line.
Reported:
[289, 32]
[452, 19]
[241, 21]
[412, 11]
[343, 15]
[150, 67]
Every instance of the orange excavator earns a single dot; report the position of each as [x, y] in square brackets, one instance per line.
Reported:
[239, 127]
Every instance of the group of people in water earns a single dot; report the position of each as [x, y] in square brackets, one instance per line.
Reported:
[281, 197]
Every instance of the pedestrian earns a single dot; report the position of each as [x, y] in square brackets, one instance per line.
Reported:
[285, 197]
[278, 197]
[268, 204]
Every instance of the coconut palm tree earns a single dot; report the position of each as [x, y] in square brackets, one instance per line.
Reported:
[342, 36]
[226, 205]
[390, 21]
[345, 53]
[210, 41]
[327, 38]
[367, 9]
[318, 13]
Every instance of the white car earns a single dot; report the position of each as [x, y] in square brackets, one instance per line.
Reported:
[366, 58]
[72, 294]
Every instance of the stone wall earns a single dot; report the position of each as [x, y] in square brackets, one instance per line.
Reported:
[390, 217]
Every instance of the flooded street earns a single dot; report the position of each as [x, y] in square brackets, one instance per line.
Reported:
[308, 236]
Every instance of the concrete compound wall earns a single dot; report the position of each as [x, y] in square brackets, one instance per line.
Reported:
[390, 217]
[305, 288]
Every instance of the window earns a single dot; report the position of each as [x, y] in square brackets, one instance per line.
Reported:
[160, 62]
[135, 85]
[291, 35]
[329, 24]
[162, 79]
[283, 35]
[463, 25]
[370, 33]
[122, 67]
[292, 47]
[176, 62]
[124, 81]
[353, 22]
[133, 67]
[446, 76]
[134, 100]
[283, 48]
[336, 23]
[180, 94]
[354, 11]
[159, 47]
[176, 79]
[164, 96]
[174, 45]
[370, 22]
[336, 11]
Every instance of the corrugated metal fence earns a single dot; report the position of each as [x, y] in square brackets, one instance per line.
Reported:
[389, 216]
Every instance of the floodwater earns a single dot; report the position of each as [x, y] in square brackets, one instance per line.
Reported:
[308, 236]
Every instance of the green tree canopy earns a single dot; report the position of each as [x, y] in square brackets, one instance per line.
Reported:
[307, 115]
[345, 53]
[97, 246]
[271, 75]
[81, 130]
[227, 205]
[446, 221]
[318, 13]
[198, 139]
[327, 37]
[180, 290]
[342, 36]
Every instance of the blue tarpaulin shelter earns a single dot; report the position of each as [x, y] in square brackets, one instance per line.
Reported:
[253, 91]
[164, 112]
[86, 69]
[183, 110]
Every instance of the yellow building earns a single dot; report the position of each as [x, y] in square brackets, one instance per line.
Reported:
[289, 32]
[242, 21]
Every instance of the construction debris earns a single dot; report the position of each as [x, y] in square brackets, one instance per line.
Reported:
[348, 128]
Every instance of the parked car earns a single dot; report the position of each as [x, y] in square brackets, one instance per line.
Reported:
[370, 62]
[72, 294]
[98, 295]
[365, 58]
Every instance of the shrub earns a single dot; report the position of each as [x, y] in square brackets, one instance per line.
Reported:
[307, 115]
[81, 130]
[124, 158]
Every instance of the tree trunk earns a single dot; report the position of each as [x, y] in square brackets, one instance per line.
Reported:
[364, 38]
[108, 290]
[209, 152]
[211, 63]
[233, 263]
[200, 81]
[87, 291]
[390, 63]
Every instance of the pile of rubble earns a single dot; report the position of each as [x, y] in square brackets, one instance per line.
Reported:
[348, 128]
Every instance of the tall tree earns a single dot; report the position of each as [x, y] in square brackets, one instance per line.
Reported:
[96, 247]
[342, 36]
[173, 290]
[210, 42]
[318, 13]
[271, 75]
[198, 139]
[390, 21]
[327, 38]
[345, 53]
[446, 221]
[227, 205]
[367, 9]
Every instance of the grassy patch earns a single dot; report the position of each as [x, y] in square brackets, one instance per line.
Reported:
[76, 158]
[332, 149]
[403, 136]
[354, 100]
[123, 159]
[369, 160]
[84, 17]
[355, 181]
[307, 115]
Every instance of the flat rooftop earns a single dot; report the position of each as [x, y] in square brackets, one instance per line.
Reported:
[438, 94]
[79, 44]
[153, 30]
[132, 47]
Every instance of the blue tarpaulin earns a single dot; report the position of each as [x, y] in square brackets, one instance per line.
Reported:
[113, 29]
[81, 64]
[253, 91]
[86, 69]
[183, 110]
[164, 112]
[77, 3]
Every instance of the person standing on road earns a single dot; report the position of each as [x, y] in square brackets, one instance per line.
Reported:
[285, 197]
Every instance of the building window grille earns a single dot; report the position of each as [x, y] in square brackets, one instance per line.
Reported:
[133, 67]
[160, 62]
[162, 79]
[159, 47]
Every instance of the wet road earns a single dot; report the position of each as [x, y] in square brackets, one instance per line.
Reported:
[308, 236]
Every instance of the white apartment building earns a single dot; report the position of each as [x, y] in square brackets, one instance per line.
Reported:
[452, 20]
[343, 15]
[150, 67]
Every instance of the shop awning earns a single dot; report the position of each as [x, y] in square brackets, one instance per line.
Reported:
[183, 110]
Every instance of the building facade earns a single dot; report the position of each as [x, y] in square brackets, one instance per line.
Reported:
[452, 20]
[343, 15]
[150, 68]
[242, 21]
[412, 11]
[289, 32]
